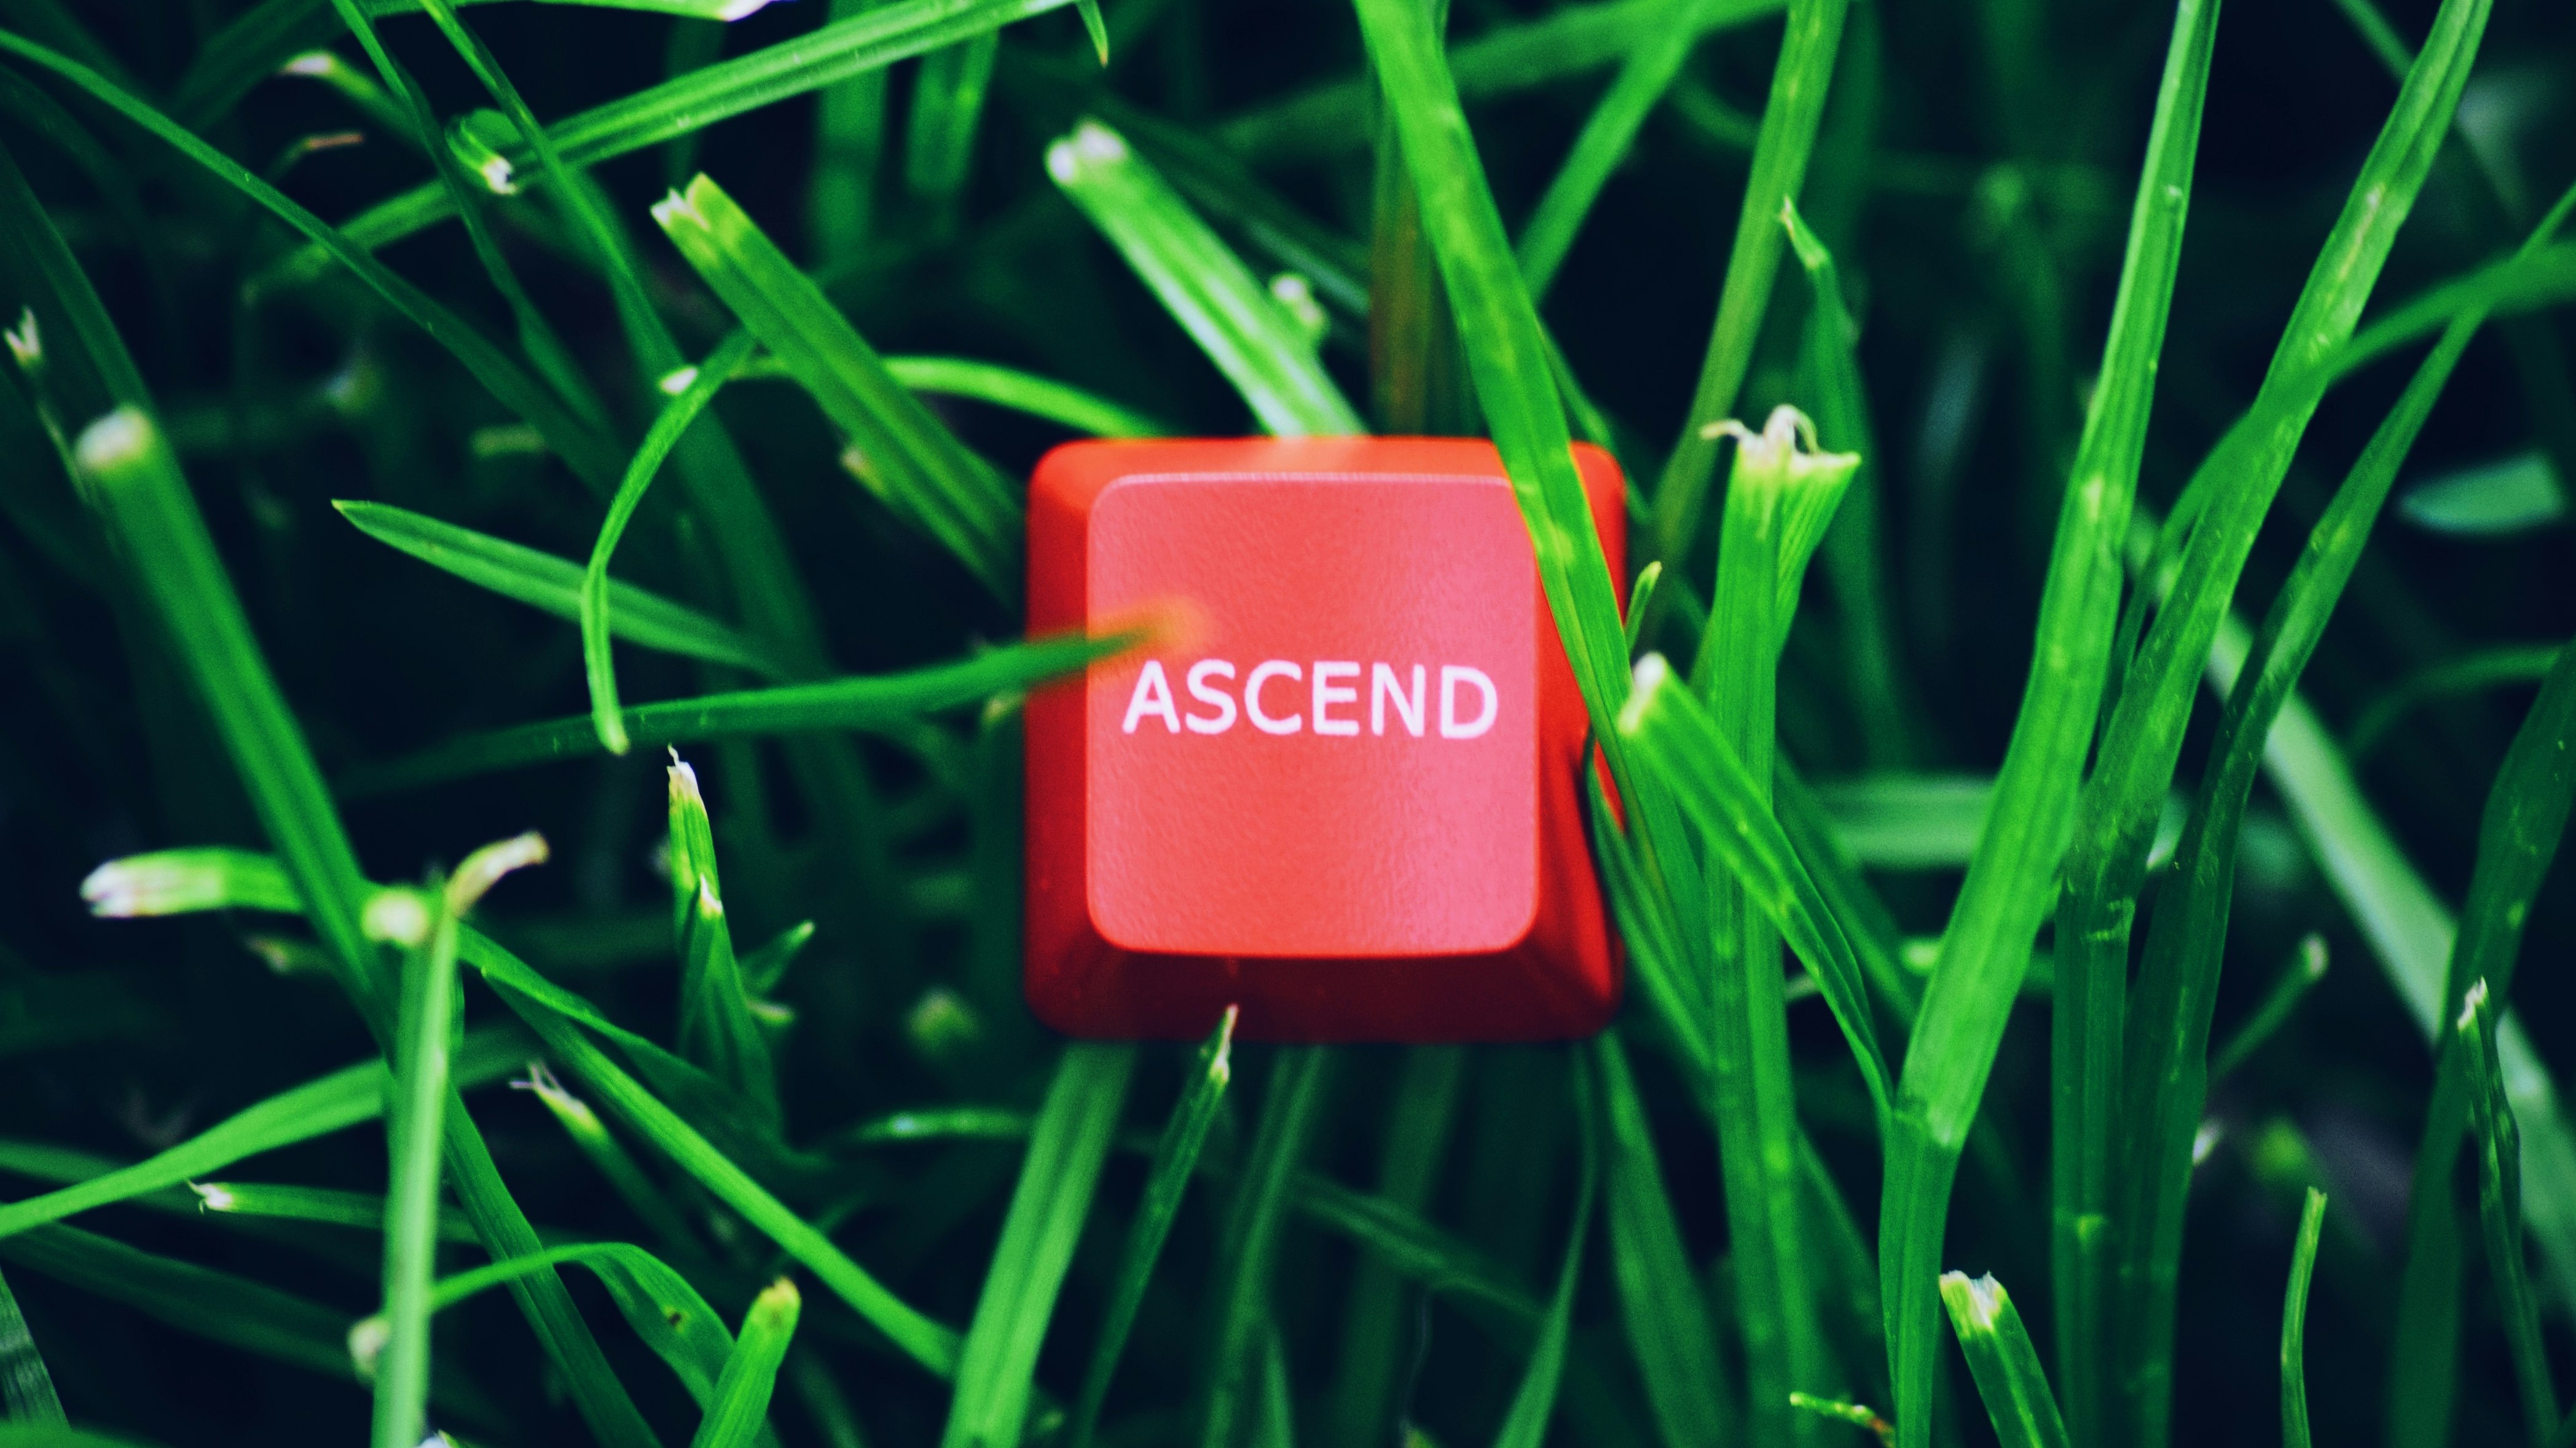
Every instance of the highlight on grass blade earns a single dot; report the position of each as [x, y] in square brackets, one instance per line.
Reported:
[1270, 360]
[2003, 1360]
[741, 1406]
[2294, 1323]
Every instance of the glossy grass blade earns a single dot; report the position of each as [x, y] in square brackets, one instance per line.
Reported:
[423, 924]
[2011, 879]
[1665, 1312]
[1791, 113]
[1534, 1402]
[741, 1406]
[2004, 1361]
[858, 45]
[1507, 353]
[997, 1364]
[1176, 1158]
[1027, 392]
[2169, 1016]
[2497, 1146]
[2294, 1323]
[273, 1201]
[900, 451]
[542, 580]
[1201, 282]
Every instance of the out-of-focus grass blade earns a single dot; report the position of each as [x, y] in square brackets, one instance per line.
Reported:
[918, 1337]
[1507, 352]
[903, 454]
[26, 1388]
[220, 1307]
[2307, 967]
[1662, 45]
[1176, 1157]
[1659, 1292]
[1677, 739]
[2294, 1323]
[1525, 1425]
[860, 703]
[697, 389]
[717, 1031]
[1238, 1321]
[947, 107]
[849, 147]
[1418, 382]
[2495, 499]
[2485, 669]
[996, 1367]
[1795, 107]
[861, 44]
[2005, 1363]
[129, 466]
[2012, 879]
[181, 882]
[2497, 1145]
[1201, 283]
[542, 580]
[1508, 57]
[1416, 1249]
[741, 1406]
[1379, 1312]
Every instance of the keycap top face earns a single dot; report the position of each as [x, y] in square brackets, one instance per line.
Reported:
[1407, 823]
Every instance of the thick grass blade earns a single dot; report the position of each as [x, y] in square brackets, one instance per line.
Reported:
[697, 390]
[1790, 116]
[1176, 1157]
[27, 1394]
[1201, 282]
[1662, 46]
[2294, 1323]
[1534, 1402]
[1239, 1316]
[717, 1031]
[1508, 57]
[1677, 740]
[2497, 1146]
[859, 45]
[741, 1406]
[2011, 880]
[878, 702]
[918, 1337]
[901, 452]
[1507, 353]
[996, 1367]
[544, 581]
[2004, 1361]
[1659, 1295]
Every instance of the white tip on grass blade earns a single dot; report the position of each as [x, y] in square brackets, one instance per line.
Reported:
[396, 917]
[367, 1343]
[114, 443]
[26, 342]
[213, 1196]
[484, 868]
[1651, 674]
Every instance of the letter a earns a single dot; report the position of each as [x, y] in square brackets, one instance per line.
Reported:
[1153, 696]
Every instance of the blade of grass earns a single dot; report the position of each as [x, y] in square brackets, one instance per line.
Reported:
[741, 1407]
[863, 43]
[271, 1201]
[692, 398]
[544, 581]
[1239, 1307]
[1665, 1312]
[1026, 392]
[2294, 1323]
[2307, 967]
[947, 106]
[1662, 46]
[1176, 1157]
[2004, 1361]
[920, 1338]
[2485, 669]
[2168, 1032]
[1201, 283]
[1418, 382]
[26, 1388]
[849, 146]
[1378, 1312]
[1790, 116]
[2497, 1145]
[1506, 58]
[423, 924]
[1678, 741]
[716, 1028]
[859, 703]
[903, 454]
[996, 1367]
[591, 1137]
[1534, 1402]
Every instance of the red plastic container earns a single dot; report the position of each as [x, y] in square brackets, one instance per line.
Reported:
[1341, 790]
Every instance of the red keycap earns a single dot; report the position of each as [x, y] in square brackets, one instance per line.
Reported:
[1341, 789]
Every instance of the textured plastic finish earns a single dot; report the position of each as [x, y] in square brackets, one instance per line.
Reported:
[1341, 790]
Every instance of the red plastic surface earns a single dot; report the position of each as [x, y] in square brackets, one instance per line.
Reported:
[1342, 792]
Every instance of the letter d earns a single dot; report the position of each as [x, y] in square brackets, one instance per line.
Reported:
[1451, 676]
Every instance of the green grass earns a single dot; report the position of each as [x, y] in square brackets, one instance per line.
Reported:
[700, 358]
